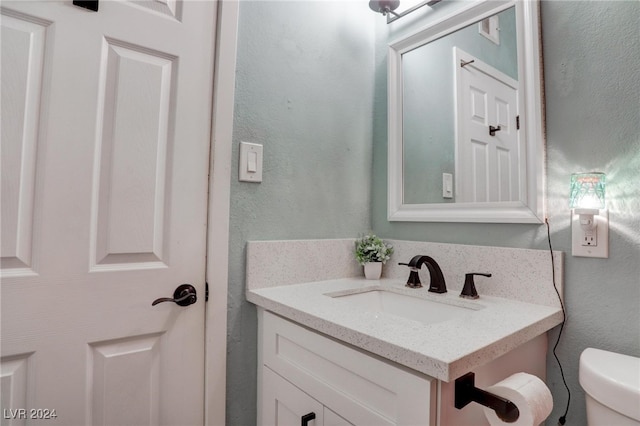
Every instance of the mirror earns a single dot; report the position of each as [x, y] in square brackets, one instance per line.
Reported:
[466, 140]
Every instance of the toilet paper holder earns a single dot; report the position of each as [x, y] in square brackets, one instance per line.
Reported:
[466, 392]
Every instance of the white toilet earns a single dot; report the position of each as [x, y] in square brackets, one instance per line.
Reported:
[611, 382]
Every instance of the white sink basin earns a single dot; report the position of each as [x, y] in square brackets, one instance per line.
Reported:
[413, 308]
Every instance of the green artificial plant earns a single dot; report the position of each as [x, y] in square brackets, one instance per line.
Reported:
[371, 248]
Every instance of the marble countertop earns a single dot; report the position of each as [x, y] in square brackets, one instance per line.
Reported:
[444, 350]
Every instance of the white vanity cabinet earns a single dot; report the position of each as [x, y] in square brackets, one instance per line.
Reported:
[302, 372]
[350, 364]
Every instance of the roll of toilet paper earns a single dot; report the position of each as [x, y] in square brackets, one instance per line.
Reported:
[529, 393]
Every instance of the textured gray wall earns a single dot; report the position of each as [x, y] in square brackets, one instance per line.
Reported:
[304, 90]
[591, 52]
[312, 88]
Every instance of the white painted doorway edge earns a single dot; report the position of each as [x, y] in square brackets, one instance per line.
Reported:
[218, 215]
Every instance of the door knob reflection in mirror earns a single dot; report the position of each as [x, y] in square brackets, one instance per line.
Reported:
[493, 130]
[184, 295]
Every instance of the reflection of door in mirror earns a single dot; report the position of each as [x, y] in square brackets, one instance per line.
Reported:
[429, 109]
[488, 152]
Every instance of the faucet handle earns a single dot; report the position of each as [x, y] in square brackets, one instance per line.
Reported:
[469, 289]
[414, 278]
[411, 266]
[484, 274]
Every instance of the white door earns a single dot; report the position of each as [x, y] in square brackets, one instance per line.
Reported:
[105, 155]
[488, 163]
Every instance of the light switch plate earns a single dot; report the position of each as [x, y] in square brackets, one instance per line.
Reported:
[447, 185]
[250, 166]
[578, 248]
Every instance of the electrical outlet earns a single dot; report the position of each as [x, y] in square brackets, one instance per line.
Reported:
[590, 238]
[590, 243]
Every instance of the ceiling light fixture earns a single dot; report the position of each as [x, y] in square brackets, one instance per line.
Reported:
[387, 8]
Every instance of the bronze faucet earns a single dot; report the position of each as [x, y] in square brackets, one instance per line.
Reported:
[436, 285]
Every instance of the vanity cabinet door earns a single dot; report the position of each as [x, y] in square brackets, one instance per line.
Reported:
[359, 388]
[332, 419]
[283, 404]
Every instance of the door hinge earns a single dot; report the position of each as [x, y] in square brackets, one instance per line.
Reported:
[206, 292]
[517, 122]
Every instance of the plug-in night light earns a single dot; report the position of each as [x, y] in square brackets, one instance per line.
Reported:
[587, 191]
[587, 199]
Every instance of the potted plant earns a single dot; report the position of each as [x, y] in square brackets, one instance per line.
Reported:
[372, 253]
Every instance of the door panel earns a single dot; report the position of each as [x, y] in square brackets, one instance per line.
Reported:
[487, 165]
[115, 363]
[23, 46]
[14, 374]
[131, 190]
[105, 148]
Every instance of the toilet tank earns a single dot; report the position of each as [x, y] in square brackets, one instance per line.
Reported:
[612, 384]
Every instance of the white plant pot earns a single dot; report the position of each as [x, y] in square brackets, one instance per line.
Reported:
[373, 270]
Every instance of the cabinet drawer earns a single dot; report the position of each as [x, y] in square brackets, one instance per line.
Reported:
[363, 389]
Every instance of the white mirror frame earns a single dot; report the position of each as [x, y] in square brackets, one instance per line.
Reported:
[531, 207]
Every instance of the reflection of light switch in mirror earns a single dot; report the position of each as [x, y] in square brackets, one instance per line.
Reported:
[447, 185]
[250, 168]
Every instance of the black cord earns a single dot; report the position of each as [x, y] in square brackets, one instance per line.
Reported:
[563, 418]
